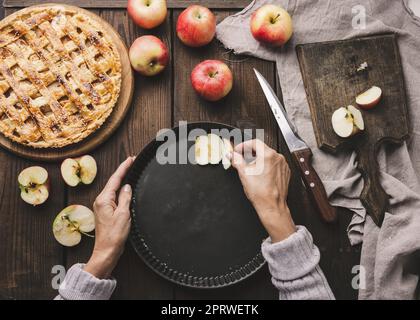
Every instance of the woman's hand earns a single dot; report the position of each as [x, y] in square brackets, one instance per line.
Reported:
[266, 182]
[112, 223]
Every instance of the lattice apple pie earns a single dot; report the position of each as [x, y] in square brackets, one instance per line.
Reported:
[60, 76]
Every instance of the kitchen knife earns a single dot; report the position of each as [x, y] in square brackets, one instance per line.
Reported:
[301, 153]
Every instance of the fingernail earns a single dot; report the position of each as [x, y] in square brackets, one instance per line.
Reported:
[229, 155]
[127, 188]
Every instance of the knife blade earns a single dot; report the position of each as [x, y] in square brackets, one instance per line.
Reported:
[301, 153]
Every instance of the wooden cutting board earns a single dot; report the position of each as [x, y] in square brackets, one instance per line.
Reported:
[331, 81]
[110, 125]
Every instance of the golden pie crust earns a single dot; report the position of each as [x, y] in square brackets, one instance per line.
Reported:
[60, 76]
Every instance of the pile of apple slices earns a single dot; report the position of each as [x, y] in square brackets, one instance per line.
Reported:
[71, 223]
[347, 121]
[211, 149]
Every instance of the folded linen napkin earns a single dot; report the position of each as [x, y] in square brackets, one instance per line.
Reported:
[388, 253]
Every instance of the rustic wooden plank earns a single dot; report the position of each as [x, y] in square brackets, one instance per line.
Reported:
[334, 65]
[242, 108]
[27, 245]
[118, 4]
[151, 111]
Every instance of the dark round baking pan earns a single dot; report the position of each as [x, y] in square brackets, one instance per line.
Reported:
[192, 224]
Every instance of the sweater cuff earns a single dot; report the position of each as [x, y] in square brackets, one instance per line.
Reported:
[81, 285]
[292, 258]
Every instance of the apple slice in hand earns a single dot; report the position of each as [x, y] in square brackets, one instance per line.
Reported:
[79, 170]
[34, 186]
[202, 150]
[71, 223]
[369, 98]
[227, 148]
[215, 148]
[347, 121]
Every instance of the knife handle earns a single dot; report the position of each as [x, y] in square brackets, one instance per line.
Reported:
[315, 187]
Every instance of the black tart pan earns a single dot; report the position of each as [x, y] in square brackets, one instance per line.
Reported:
[192, 224]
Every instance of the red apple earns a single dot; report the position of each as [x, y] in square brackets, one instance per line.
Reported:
[196, 26]
[147, 14]
[272, 25]
[212, 79]
[148, 55]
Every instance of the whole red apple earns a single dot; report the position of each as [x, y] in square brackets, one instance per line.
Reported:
[196, 26]
[147, 14]
[148, 55]
[272, 25]
[212, 79]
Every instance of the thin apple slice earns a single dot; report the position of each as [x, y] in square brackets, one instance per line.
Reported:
[88, 169]
[202, 150]
[369, 98]
[215, 148]
[71, 222]
[70, 170]
[357, 117]
[33, 185]
[227, 149]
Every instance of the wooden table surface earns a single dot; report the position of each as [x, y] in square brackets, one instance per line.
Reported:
[28, 249]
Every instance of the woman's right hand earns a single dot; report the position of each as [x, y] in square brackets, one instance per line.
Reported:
[266, 182]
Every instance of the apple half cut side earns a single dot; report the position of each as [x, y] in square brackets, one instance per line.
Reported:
[369, 98]
[71, 223]
[34, 185]
[347, 121]
[79, 170]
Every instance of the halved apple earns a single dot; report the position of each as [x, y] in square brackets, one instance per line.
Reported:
[71, 223]
[79, 170]
[369, 98]
[347, 121]
[33, 185]
[227, 148]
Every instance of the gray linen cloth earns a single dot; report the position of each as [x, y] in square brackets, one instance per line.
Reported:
[388, 254]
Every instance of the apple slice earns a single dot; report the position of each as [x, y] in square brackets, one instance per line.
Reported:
[347, 121]
[215, 148]
[34, 186]
[357, 117]
[79, 170]
[369, 98]
[202, 150]
[227, 148]
[88, 169]
[71, 223]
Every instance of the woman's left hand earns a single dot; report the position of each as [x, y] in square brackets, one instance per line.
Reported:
[112, 223]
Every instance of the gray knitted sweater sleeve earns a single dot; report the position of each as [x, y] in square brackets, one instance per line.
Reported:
[294, 268]
[293, 265]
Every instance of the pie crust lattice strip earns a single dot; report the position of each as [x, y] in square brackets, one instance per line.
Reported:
[60, 76]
